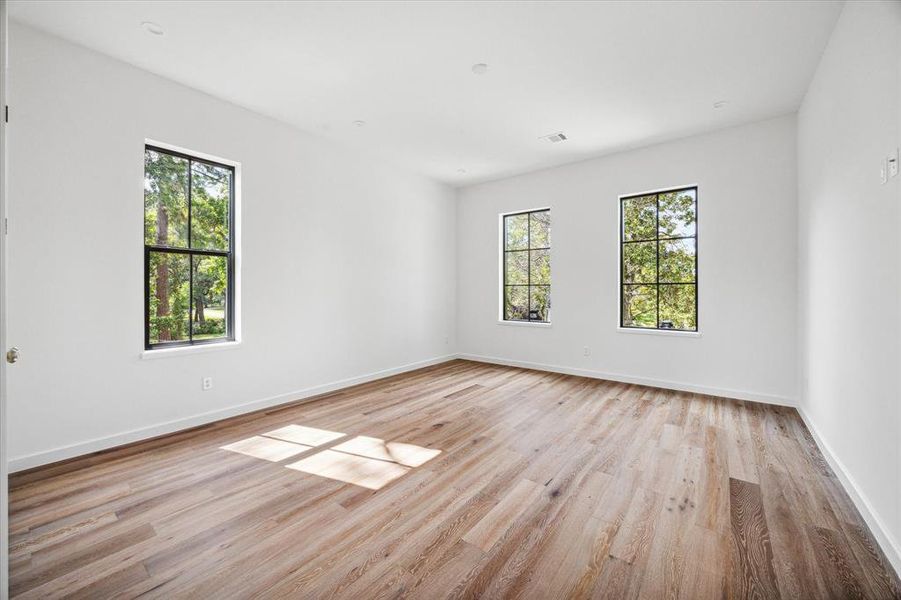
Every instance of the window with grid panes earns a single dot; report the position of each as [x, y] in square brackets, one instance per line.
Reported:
[188, 249]
[659, 260]
[527, 266]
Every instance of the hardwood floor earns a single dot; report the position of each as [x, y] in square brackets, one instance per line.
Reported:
[462, 480]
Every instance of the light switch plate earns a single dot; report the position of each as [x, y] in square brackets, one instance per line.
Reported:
[893, 163]
[883, 171]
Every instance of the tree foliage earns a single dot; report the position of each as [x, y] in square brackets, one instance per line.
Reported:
[659, 260]
[185, 198]
[527, 266]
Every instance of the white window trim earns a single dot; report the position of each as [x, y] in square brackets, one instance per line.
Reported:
[236, 281]
[544, 324]
[619, 255]
[187, 350]
[500, 270]
[663, 332]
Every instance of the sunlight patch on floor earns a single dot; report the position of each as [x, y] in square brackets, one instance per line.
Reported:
[266, 448]
[349, 468]
[309, 436]
[364, 461]
[408, 455]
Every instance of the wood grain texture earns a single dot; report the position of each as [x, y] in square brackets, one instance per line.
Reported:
[493, 525]
[475, 481]
[753, 574]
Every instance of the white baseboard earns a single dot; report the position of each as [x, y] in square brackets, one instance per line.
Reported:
[884, 538]
[660, 383]
[20, 463]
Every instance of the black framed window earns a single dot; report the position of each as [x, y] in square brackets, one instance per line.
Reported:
[659, 260]
[188, 249]
[527, 266]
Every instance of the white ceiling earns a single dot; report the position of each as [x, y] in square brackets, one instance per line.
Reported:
[611, 75]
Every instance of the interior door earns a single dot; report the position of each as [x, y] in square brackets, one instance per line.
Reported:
[4, 484]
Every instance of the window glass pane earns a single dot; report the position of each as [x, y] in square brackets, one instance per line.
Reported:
[677, 307]
[640, 218]
[527, 266]
[677, 214]
[209, 206]
[516, 302]
[517, 267]
[516, 232]
[169, 297]
[677, 261]
[640, 262]
[165, 199]
[540, 229]
[540, 267]
[539, 302]
[209, 310]
[639, 306]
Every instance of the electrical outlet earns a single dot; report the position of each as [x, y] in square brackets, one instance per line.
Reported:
[586, 351]
[206, 384]
[883, 171]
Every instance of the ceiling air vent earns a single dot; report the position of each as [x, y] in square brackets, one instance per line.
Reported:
[554, 137]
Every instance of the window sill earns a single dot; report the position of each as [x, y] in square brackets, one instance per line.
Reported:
[524, 323]
[673, 333]
[187, 350]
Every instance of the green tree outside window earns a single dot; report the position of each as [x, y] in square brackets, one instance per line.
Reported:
[659, 260]
[188, 205]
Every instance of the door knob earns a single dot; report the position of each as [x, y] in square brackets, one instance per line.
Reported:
[12, 355]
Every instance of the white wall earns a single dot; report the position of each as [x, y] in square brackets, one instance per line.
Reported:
[747, 261]
[345, 258]
[850, 265]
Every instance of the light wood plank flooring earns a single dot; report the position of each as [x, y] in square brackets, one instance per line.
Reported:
[462, 480]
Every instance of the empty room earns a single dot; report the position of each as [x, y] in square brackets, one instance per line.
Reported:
[450, 299]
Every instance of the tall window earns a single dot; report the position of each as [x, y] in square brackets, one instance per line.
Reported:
[659, 260]
[188, 250]
[527, 266]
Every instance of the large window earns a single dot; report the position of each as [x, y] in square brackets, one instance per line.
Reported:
[659, 260]
[527, 266]
[188, 250]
